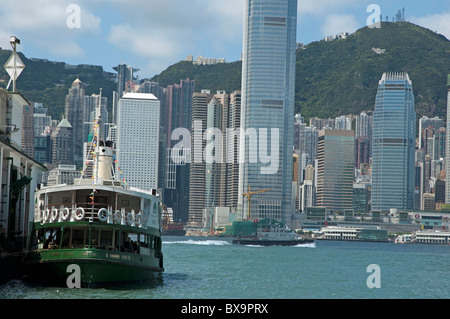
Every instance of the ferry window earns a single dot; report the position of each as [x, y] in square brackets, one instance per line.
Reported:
[66, 238]
[94, 237]
[78, 238]
[106, 238]
[116, 240]
[50, 237]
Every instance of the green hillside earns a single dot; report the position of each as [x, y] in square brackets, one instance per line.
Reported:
[222, 76]
[341, 76]
[48, 82]
[332, 78]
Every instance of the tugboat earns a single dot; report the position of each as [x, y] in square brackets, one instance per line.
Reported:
[272, 233]
[109, 232]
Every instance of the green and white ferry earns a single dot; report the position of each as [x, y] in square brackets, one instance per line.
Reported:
[111, 233]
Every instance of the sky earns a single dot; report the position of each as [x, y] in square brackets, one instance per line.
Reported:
[151, 35]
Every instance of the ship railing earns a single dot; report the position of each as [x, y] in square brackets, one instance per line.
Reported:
[93, 213]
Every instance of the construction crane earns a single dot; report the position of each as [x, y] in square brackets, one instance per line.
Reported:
[249, 196]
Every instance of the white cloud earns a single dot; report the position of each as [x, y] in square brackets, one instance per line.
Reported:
[436, 22]
[166, 31]
[336, 23]
[43, 24]
[323, 7]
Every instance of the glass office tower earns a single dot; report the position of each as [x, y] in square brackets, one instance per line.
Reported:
[394, 135]
[268, 76]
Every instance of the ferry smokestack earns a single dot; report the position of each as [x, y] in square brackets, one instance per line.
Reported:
[105, 161]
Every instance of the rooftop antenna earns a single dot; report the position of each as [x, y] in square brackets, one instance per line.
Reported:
[14, 65]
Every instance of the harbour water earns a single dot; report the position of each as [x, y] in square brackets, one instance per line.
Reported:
[213, 268]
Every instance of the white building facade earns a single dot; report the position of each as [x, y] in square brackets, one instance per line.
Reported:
[138, 140]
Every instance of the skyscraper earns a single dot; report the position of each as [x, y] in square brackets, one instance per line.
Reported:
[447, 148]
[74, 109]
[62, 143]
[197, 166]
[125, 73]
[268, 76]
[335, 169]
[394, 135]
[138, 140]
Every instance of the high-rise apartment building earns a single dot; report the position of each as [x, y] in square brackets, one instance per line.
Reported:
[214, 168]
[427, 127]
[62, 143]
[138, 140]
[177, 114]
[393, 143]
[125, 73]
[335, 169]
[74, 108]
[197, 165]
[268, 79]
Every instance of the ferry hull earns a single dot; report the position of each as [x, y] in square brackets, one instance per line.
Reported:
[272, 242]
[96, 268]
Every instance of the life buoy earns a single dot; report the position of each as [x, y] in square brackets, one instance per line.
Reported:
[417, 216]
[54, 214]
[118, 216]
[79, 216]
[46, 215]
[103, 214]
[144, 218]
[139, 218]
[131, 218]
[65, 213]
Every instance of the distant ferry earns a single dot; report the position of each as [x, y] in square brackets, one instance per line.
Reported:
[107, 232]
[272, 234]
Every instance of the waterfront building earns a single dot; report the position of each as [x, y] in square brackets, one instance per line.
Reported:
[177, 114]
[393, 144]
[213, 117]
[447, 147]
[268, 94]
[361, 198]
[197, 165]
[90, 103]
[431, 237]
[335, 169]
[138, 140]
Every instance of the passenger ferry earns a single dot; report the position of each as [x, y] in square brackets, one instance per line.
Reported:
[106, 231]
[272, 233]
